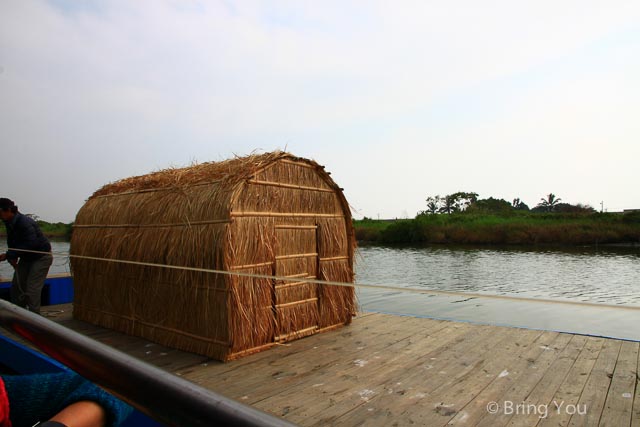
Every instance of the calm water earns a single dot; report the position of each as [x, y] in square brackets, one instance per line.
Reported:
[603, 276]
[608, 276]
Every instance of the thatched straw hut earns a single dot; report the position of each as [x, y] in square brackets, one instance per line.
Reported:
[273, 214]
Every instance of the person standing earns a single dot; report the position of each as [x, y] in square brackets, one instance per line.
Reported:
[30, 268]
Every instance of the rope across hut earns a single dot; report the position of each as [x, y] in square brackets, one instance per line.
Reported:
[273, 214]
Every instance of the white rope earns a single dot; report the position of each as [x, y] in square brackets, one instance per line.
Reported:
[333, 283]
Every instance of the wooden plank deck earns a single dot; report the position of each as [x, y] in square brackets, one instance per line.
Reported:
[386, 370]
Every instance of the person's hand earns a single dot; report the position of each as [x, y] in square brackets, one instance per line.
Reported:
[3, 257]
[13, 261]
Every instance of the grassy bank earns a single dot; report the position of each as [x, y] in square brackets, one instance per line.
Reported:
[517, 228]
[57, 230]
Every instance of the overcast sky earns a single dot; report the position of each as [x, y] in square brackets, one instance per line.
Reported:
[399, 100]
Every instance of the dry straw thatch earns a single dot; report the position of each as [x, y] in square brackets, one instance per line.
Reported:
[273, 214]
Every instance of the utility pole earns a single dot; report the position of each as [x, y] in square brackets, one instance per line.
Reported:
[602, 206]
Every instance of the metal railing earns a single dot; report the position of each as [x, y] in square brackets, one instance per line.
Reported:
[159, 394]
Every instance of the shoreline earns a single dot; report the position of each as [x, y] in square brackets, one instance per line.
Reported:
[622, 245]
[512, 230]
[51, 237]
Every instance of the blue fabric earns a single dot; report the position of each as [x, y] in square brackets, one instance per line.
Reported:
[34, 398]
[24, 233]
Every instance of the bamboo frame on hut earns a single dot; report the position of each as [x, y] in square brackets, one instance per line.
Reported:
[270, 214]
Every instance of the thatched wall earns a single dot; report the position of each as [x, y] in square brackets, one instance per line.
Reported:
[272, 214]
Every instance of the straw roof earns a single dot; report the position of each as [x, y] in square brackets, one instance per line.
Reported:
[229, 172]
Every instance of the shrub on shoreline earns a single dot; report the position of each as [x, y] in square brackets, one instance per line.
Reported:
[514, 229]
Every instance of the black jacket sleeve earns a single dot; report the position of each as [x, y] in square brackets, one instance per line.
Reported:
[24, 233]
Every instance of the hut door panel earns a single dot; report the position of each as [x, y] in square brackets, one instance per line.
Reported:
[296, 303]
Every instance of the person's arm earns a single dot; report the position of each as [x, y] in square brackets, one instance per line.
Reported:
[81, 414]
[74, 401]
[113, 411]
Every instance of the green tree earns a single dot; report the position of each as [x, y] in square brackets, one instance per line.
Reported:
[490, 205]
[519, 205]
[457, 202]
[569, 208]
[448, 205]
[433, 204]
[549, 203]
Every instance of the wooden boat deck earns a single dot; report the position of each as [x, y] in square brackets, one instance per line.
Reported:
[386, 370]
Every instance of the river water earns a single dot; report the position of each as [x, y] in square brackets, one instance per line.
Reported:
[588, 290]
[594, 291]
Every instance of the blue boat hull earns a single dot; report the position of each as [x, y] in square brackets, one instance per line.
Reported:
[58, 289]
